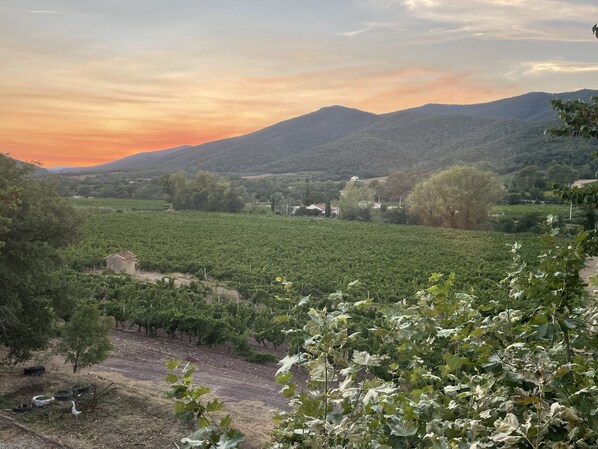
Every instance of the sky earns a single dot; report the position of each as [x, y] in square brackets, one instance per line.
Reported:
[88, 81]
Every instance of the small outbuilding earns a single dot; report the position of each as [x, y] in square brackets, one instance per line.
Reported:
[122, 262]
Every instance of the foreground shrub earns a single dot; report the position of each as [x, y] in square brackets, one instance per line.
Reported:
[520, 374]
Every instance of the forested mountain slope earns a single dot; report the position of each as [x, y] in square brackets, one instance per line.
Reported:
[504, 135]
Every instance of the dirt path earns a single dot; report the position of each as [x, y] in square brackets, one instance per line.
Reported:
[231, 378]
[591, 269]
[180, 279]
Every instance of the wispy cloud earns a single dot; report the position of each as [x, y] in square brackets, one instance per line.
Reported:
[505, 19]
[413, 4]
[50, 12]
[41, 11]
[554, 67]
[382, 3]
[373, 26]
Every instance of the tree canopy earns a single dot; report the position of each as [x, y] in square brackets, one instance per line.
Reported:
[34, 225]
[354, 202]
[397, 185]
[458, 197]
[85, 339]
[579, 118]
[204, 192]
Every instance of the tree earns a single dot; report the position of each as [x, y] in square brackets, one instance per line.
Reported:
[203, 192]
[355, 202]
[307, 198]
[562, 174]
[398, 185]
[528, 178]
[34, 225]
[579, 118]
[458, 197]
[85, 339]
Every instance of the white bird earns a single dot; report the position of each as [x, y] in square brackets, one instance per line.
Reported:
[74, 410]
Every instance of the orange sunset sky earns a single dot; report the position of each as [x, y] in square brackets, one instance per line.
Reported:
[85, 82]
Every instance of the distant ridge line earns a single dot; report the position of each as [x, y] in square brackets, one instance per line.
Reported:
[342, 141]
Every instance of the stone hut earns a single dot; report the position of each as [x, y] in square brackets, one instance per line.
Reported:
[122, 262]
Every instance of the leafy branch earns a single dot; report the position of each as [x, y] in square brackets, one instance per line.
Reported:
[191, 405]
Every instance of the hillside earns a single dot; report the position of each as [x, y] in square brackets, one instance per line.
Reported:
[503, 134]
[532, 107]
[238, 154]
[134, 162]
[425, 142]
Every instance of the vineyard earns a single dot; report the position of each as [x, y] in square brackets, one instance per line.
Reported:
[121, 204]
[318, 256]
[561, 210]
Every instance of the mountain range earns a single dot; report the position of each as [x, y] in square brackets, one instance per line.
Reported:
[503, 135]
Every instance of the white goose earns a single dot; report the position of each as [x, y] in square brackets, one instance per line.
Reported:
[74, 410]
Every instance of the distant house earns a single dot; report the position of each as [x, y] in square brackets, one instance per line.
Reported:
[354, 178]
[322, 208]
[122, 262]
[317, 210]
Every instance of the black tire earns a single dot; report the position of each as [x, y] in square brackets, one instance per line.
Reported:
[81, 388]
[34, 371]
[63, 395]
[22, 408]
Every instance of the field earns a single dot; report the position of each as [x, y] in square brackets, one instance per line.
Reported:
[122, 204]
[247, 252]
[517, 210]
[318, 256]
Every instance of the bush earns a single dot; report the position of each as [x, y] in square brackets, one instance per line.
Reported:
[262, 358]
[456, 374]
[396, 215]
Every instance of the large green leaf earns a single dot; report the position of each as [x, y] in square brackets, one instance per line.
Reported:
[230, 440]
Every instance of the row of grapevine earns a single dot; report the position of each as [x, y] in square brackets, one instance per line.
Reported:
[320, 256]
[181, 312]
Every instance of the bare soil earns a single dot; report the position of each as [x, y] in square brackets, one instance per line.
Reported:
[140, 357]
[219, 291]
[137, 414]
[588, 272]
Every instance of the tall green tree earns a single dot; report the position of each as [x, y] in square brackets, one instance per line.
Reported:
[85, 338]
[458, 197]
[203, 192]
[354, 202]
[528, 178]
[562, 174]
[34, 225]
[398, 185]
